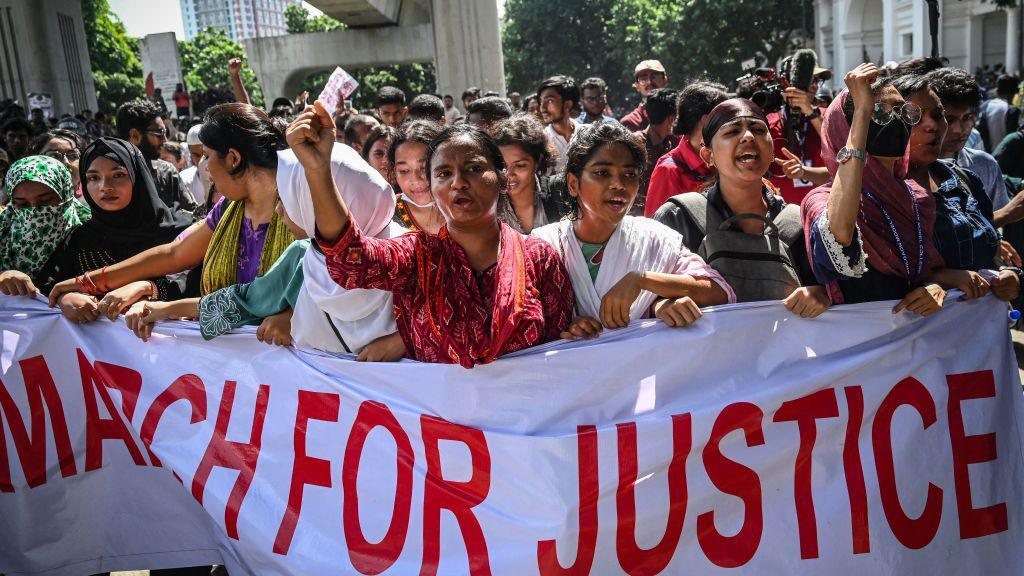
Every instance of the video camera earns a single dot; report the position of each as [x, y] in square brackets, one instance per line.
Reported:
[762, 86]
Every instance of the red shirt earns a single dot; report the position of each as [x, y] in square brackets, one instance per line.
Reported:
[180, 99]
[793, 191]
[636, 120]
[681, 170]
[417, 265]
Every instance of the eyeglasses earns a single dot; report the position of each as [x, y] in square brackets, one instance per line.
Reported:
[642, 78]
[69, 156]
[908, 112]
[159, 133]
[594, 99]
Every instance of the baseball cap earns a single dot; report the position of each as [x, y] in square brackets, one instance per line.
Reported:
[192, 139]
[652, 65]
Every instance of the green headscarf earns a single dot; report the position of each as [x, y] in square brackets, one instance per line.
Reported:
[31, 234]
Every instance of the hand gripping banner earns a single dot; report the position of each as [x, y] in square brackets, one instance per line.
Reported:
[860, 442]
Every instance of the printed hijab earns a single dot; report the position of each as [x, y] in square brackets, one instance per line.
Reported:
[32, 233]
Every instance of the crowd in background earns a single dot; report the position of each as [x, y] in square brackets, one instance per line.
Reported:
[439, 233]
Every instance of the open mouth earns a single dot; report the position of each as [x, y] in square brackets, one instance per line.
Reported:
[618, 204]
[747, 159]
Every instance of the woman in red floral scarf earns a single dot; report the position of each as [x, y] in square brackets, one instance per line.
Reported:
[476, 290]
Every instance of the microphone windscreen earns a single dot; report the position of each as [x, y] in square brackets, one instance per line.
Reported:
[804, 62]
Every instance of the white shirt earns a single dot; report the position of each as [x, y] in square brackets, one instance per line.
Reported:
[451, 115]
[560, 144]
[194, 184]
[995, 115]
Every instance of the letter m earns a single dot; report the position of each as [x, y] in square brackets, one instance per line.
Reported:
[40, 391]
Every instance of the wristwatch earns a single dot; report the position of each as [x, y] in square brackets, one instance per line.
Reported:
[845, 154]
[814, 114]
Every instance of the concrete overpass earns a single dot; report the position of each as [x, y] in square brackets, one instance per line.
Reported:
[460, 37]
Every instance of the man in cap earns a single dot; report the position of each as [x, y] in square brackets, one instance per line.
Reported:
[190, 176]
[648, 76]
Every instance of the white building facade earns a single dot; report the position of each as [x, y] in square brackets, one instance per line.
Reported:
[241, 19]
[972, 33]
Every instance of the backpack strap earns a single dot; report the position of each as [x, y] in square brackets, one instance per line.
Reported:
[699, 209]
[789, 224]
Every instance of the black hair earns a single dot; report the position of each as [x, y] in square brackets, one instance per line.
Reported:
[173, 148]
[588, 140]
[694, 102]
[471, 92]
[247, 129]
[40, 142]
[956, 87]
[490, 108]
[661, 103]
[525, 131]
[917, 66]
[137, 114]
[418, 131]
[426, 107]
[354, 123]
[1007, 85]
[390, 95]
[16, 124]
[564, 86]
[592, 83]
[479, 137]
[380, 131]
[910, 84]
[449, 96]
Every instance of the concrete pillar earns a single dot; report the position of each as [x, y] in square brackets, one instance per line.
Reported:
[1012, 39]
[467, 46]
[888, 30]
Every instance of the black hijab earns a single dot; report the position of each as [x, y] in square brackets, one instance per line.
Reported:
[145, 222]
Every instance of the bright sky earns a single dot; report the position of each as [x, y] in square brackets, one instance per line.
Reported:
[153, 16]
[149, 17]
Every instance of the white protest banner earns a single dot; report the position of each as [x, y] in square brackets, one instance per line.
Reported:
[859, 442]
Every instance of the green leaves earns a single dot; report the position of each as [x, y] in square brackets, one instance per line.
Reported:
[299, 21]
[607, 38]
[204, 59]
[113, 55]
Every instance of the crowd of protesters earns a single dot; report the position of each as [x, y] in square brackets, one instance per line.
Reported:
[426, 231]
[543, 216]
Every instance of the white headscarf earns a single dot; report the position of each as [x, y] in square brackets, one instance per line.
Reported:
[358, 316]
[636, 245]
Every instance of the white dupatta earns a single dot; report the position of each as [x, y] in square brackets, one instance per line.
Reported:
[636, 245]
[328, 317]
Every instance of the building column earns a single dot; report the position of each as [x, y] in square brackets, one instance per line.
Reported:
[888, 31]
[467, 46]
[1012, 39]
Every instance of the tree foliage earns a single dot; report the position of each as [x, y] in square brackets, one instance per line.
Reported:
[205, 62]
[298, 20]
[607, 38]
[413, 79]
[113, 55]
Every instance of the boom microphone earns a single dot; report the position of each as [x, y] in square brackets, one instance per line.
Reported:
[804, 63]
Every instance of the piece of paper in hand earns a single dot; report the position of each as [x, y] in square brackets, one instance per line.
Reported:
[338, 88]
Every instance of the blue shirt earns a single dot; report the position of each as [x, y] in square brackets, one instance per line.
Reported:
[587, 119]
[987, 169]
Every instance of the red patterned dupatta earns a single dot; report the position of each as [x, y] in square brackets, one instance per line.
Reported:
[456, 317]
